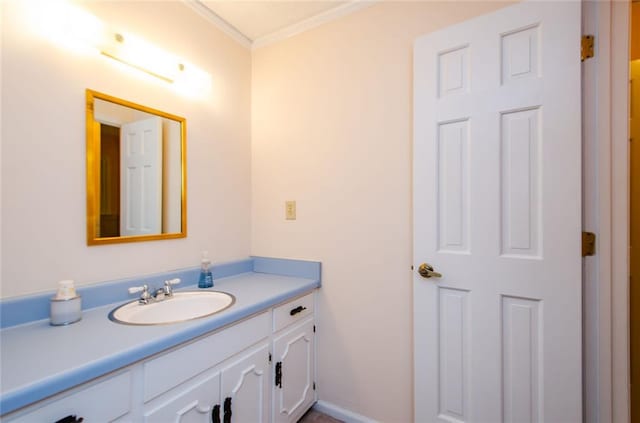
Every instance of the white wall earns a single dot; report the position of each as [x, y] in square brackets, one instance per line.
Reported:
[43, 147]
[332, 129]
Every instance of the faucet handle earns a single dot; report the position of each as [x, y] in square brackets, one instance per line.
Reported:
[174, 281]
[145, 296]
[135, 289]
[168, 290]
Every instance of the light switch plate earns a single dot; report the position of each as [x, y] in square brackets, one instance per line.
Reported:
[290, 210]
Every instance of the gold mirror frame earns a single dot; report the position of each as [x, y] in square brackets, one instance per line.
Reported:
[94, 174]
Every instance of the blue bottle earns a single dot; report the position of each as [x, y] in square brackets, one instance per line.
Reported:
[206, 279]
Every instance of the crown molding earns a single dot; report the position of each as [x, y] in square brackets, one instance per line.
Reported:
[312, 22]
[221, 24]
[281, 34]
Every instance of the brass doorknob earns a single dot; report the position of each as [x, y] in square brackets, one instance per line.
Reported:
[426, 271]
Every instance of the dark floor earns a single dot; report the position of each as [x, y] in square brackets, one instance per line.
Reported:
[314, 416]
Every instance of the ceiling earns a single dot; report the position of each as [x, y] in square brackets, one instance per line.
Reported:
[256, 23]
[257, 19]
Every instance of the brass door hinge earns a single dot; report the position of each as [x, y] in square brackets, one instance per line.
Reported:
[588, 244]
[586, 47]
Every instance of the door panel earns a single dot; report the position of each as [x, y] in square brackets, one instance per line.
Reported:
[453, 186]
[497, 211]
[520, 170]
[454, 353]
[521, 357]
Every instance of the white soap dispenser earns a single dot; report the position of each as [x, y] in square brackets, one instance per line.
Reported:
[66, 305]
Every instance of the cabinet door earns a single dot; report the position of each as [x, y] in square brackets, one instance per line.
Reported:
[197, 403]
[294, 360]
[245, 387]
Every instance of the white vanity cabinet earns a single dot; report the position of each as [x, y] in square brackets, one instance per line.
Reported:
[235, 391]
[294, 360]
[227, 376]
[187, 383]
[242, 388]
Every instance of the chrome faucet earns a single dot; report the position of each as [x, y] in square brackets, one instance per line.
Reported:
[159, 294]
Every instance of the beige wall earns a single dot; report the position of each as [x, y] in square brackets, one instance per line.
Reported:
[43, 147]
[331, 129]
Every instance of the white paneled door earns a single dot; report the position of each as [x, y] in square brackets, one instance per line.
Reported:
[497, 200]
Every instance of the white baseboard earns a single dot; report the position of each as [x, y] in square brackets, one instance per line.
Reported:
[341, 413]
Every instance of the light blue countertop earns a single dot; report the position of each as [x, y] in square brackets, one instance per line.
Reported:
[39, 360]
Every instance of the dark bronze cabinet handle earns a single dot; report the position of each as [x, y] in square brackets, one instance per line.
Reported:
[71, 419]
[227, 410]
[297, 310]
[279, 374]
[215, 414]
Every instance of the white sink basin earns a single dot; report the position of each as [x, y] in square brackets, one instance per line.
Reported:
[180, 307]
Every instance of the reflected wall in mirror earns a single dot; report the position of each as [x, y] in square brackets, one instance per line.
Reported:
[136, 172]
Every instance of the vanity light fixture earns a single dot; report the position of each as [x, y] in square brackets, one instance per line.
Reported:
[73, 28]
[141, 55]
[137, 54]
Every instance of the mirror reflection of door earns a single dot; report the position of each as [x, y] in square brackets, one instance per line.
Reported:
[131, 178]
[141, 177]
[109, 180]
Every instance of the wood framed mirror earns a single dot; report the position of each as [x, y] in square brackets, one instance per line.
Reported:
[136, 172]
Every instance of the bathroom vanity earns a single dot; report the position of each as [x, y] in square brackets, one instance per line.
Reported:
[253, 362]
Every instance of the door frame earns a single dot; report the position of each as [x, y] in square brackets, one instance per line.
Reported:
[606, 212]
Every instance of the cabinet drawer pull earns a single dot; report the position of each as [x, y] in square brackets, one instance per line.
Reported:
[279, 374]
[71, 419]
[215, 414]
[227, 410]
[297, 310]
